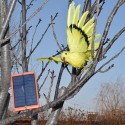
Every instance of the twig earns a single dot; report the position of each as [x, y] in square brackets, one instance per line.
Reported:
[30, 4]
[44, 80]
[87, 5]
[43, 69]
[107, 69]
[11, 35]
[68, 70]
[40, 38]
[107, 40]
[92, 10]
[20, 2]
[13, 47]
[99, 69]
[113, 40]
[51, 84]
[54, 34]
[58, 81]
[106, 30]
[33, 36]
[28, 29]
[45, 97]
[93, 35]
[17, 67]
[17, 60]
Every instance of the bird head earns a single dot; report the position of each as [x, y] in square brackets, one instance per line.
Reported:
[64, 56]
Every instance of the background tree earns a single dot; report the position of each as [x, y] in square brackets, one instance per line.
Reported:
[21, 60]
[110, 101]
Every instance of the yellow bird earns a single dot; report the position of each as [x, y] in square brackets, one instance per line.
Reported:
[79, 39]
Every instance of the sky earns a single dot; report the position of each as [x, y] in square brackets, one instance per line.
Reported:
[86, 98]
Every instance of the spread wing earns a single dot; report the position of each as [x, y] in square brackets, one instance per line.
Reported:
[96, 46]
[50, 59]
[76, 41]
[79, 33]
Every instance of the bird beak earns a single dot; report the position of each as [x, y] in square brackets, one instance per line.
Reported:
[63, 59]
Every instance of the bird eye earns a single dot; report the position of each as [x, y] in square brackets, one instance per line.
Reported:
[65, 53]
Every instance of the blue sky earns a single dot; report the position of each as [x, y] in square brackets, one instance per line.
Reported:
[86, 98]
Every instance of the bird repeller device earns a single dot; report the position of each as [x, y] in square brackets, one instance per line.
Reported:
[24, 91]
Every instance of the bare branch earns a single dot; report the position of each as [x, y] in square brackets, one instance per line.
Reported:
[58, 81]
[54, 34]
[45, 97]
[109, 21]
[43, 69]
[41, 38]
[113, 40]
[11, 35]
[93, 35]
[110, 59]
[51, 84]
[33, 37]
[17, 60]
[92, 10]
[30, 4]
[20, 2]
[6, 20]
[44, 80]
[107, 69]
[14, 46]
[28, 29]
[87, 5]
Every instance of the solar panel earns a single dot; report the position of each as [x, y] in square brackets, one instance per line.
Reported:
[25, 91]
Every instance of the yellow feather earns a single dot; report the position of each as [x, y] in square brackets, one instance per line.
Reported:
[50, 59]
[90, 30]
[82, 19]
[96, 45]
[76, 41]
[96, 37]
[76, 15]
[87, 25]
[70, 14]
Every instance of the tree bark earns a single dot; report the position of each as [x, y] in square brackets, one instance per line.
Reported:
[5, 60]
[24, 59]
[54, 116]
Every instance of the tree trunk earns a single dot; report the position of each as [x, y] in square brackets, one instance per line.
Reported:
[5, 61]
[54, 116]
[24, 59]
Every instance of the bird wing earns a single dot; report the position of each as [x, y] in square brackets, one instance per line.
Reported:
[50, 59]
[76, 40]
[79, 33]
[96, 46]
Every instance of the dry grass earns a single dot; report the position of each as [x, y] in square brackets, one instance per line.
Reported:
[79, 117]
